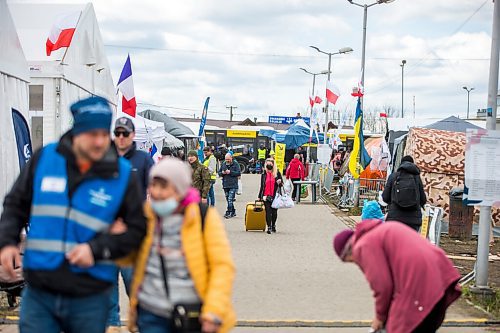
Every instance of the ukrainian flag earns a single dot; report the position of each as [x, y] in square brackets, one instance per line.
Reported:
[359, 158]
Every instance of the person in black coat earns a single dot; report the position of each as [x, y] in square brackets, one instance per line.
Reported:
[270, 181]
[409, 216]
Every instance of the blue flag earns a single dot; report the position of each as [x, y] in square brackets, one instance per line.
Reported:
[23, 140]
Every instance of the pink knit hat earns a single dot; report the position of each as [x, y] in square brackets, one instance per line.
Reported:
[175, 171]
[340, 240]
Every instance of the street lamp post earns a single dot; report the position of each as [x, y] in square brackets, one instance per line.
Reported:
[343, 50]
[403, 63]
[314, 84]
[365, 17]
[468, 99]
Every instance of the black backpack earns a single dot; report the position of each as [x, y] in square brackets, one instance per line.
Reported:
[405, 191]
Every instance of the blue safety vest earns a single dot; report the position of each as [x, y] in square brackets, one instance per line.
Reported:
[58, 223]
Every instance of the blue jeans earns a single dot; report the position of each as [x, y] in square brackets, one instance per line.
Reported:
[42, 311]
[211, 194]
[114, 299]
[148, 322]
[230, 194]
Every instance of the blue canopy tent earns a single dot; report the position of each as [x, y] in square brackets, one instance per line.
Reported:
[296, 135]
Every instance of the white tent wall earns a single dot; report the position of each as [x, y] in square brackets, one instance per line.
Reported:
[13, 95]
[69, 74]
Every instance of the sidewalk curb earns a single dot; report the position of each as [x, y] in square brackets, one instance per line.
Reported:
[471, 322]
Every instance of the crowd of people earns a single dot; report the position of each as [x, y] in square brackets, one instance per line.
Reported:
[97, 208]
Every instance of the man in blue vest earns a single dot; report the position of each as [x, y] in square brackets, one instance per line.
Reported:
[70, 194]
[141, 163]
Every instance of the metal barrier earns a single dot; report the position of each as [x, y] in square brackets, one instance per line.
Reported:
[342, 190]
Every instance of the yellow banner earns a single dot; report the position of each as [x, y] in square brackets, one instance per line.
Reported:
[241, 134]
[280, 156]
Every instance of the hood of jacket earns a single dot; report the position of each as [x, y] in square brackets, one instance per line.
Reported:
[366, 226]
[295, 161]
[409, 167]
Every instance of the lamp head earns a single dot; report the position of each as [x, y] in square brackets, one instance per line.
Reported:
[324, 72]
[385, 1]
[464, 88]
[346, 50]
[403, 62]
[314, 47]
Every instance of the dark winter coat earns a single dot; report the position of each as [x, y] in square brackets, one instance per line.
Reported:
[141, 164]
[201, 178]
[230, 180]
[263, 184]
[396, 213]
[408, 275]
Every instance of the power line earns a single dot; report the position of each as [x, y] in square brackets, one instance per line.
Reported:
[227, 53]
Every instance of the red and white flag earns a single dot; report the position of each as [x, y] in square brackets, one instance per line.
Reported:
[315, 100]
[383, 115]
[359, 91]
[126, 87]
[62, 31]
[332, 92]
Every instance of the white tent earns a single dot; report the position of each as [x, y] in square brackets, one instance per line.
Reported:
[14, 78]
[69, 74]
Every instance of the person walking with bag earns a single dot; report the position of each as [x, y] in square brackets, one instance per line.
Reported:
[184, 271]
[270, 181]
[295, 172]
[404, 193]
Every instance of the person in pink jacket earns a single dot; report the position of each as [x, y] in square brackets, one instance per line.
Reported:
[295, 172]
[413, 281]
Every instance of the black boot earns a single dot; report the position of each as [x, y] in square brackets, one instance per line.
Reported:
[273, 228]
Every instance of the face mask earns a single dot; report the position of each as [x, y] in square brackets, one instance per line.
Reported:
[164, 207]
[269, 167]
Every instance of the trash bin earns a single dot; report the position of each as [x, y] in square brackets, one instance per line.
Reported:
[461, 216]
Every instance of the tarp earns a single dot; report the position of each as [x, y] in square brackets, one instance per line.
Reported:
[296, 135]
[13, 96]
[452, 124]
[171, 125]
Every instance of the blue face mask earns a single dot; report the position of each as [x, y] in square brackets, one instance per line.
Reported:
[164, 207]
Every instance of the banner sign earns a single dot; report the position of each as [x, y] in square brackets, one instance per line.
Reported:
[287, 120]
[241, 134]
[203, 118]
[280, 156]
[482, 176]
[23, 140]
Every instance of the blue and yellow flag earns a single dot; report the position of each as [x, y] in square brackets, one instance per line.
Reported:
[359, 158]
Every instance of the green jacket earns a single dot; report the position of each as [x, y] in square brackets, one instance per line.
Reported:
[201, 178]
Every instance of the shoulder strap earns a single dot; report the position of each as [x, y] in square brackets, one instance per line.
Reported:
[203, 211]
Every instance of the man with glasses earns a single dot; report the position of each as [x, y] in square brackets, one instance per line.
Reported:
[141, 163]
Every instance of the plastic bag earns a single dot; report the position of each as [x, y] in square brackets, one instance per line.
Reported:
[288, 186]
[304, 192]
[282, 201]
[240, 187]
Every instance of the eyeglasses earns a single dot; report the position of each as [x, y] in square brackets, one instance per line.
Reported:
[125, 134]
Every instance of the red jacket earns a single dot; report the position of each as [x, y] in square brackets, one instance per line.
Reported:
[408, 275]
[295, 170]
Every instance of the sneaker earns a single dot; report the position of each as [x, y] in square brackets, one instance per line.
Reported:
[233, 214]
[273, 229]
[227, 215]
[268, 231]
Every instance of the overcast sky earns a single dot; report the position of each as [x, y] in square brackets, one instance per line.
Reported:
[247, 53]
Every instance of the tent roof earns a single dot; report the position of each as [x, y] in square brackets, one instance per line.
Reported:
[452, 124]
[172, 126]
[12, 61]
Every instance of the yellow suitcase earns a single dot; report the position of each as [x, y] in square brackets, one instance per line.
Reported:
[255, 216]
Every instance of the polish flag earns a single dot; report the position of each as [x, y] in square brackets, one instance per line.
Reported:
[383, 115]
[318, 100]
[126, 87]
[311, 101]
[62, 31]
[332, 92]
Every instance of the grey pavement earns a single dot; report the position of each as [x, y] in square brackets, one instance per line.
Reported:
[294, 275]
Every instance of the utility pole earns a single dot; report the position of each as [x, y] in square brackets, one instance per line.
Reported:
[413, 106]
[481, 286]
[231, 111]
[403, 63]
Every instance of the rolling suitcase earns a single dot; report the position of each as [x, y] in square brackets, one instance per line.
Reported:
[255, 216]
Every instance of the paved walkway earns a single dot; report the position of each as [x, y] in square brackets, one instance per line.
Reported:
[294, 275]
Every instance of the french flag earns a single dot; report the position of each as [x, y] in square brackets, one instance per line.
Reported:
[62, 31]
[332, 92]
[126, 87]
